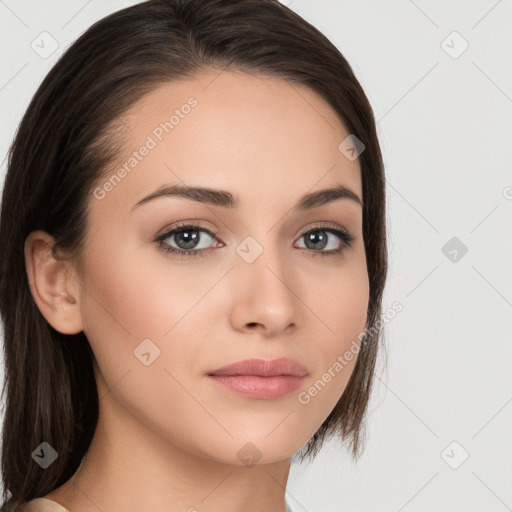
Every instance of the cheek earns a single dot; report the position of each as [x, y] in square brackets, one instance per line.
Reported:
[130, 298]
[342, 311]
[341, 304]
[133, 294]
[127, 303]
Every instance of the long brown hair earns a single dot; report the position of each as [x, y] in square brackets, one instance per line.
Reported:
[64, 143]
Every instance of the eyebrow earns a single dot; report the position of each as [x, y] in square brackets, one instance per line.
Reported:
[225, 199]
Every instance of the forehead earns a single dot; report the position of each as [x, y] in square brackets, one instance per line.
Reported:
[258, 136]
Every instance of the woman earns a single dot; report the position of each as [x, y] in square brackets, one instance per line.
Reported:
[138, 375]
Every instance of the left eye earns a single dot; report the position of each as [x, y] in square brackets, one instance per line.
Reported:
[318, 238]
[188, 236]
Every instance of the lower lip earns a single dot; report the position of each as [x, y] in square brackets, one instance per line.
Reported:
[262, 388]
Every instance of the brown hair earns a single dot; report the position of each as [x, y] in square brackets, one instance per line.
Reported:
[63, 145]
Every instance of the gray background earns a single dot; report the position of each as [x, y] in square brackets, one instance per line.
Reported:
[445, 124]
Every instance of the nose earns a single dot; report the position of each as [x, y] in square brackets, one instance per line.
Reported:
[264, 296]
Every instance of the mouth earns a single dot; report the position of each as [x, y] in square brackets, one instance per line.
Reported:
[260, 379]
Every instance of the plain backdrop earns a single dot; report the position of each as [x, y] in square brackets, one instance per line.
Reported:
[439, 77]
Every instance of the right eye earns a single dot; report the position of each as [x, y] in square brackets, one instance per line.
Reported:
[187, 235]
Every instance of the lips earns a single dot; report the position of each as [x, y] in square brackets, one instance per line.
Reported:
[262, 368]
[260, 379]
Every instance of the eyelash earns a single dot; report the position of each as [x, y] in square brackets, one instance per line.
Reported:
[345, 237]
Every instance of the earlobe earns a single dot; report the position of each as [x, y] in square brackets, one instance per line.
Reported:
[53, 288]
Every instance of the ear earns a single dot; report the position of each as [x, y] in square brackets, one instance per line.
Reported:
[55, 289]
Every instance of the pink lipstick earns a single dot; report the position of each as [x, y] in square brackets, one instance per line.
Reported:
[260, 379]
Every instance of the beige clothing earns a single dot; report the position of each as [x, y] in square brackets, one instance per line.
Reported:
[42, 505]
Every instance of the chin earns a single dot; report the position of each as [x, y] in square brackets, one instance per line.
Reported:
[256, 450]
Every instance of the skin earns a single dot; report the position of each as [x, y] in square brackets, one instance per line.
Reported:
[167, 437]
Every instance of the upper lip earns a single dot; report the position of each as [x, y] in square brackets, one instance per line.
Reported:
[263, 368]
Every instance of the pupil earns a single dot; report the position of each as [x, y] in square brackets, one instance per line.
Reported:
[322, 239]
[189, 241]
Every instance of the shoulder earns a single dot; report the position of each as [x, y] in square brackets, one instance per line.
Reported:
[42, 505]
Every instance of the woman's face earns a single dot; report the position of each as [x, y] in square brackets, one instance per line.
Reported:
[159, 322]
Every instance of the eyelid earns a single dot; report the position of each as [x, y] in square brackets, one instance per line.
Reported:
[164, 232]
[325, 225]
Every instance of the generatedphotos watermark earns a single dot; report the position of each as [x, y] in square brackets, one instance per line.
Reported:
[304, 397]
[152, 140]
